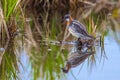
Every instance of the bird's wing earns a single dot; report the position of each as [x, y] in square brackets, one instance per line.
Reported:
[79, 24]
[78, 27]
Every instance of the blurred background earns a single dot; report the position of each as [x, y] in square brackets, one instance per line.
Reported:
[30, 29]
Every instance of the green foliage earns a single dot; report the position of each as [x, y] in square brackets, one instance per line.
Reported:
[8, 68]
[9, 7]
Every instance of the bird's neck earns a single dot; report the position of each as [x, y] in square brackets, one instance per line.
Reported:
[69, 22]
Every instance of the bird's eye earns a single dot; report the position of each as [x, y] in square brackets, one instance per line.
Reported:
[66, 16]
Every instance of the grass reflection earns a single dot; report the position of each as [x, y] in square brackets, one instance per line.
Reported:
[8, 67]
[46, 61]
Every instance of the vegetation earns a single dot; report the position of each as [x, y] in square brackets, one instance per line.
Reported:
[30, 26]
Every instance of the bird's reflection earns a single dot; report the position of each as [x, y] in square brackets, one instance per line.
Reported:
[81, 51]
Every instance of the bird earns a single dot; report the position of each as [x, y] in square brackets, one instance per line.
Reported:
[75, 59]
[76, 28]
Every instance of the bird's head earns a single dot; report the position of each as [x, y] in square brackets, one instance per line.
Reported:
[68, 19]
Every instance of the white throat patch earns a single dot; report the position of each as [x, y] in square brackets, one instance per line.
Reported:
[67, 19]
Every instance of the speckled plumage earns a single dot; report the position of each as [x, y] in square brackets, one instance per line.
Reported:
[76, 28]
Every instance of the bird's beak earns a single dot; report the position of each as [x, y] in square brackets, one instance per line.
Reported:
[71, 18]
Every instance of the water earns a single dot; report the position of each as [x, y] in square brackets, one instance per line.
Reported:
[25, 68]
[106, 68]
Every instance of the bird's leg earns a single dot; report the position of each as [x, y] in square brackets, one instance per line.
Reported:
[79, 39]
[89, 45]
[79, 44]
[84, 47]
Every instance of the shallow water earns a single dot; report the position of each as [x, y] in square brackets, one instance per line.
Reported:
[106, 68]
